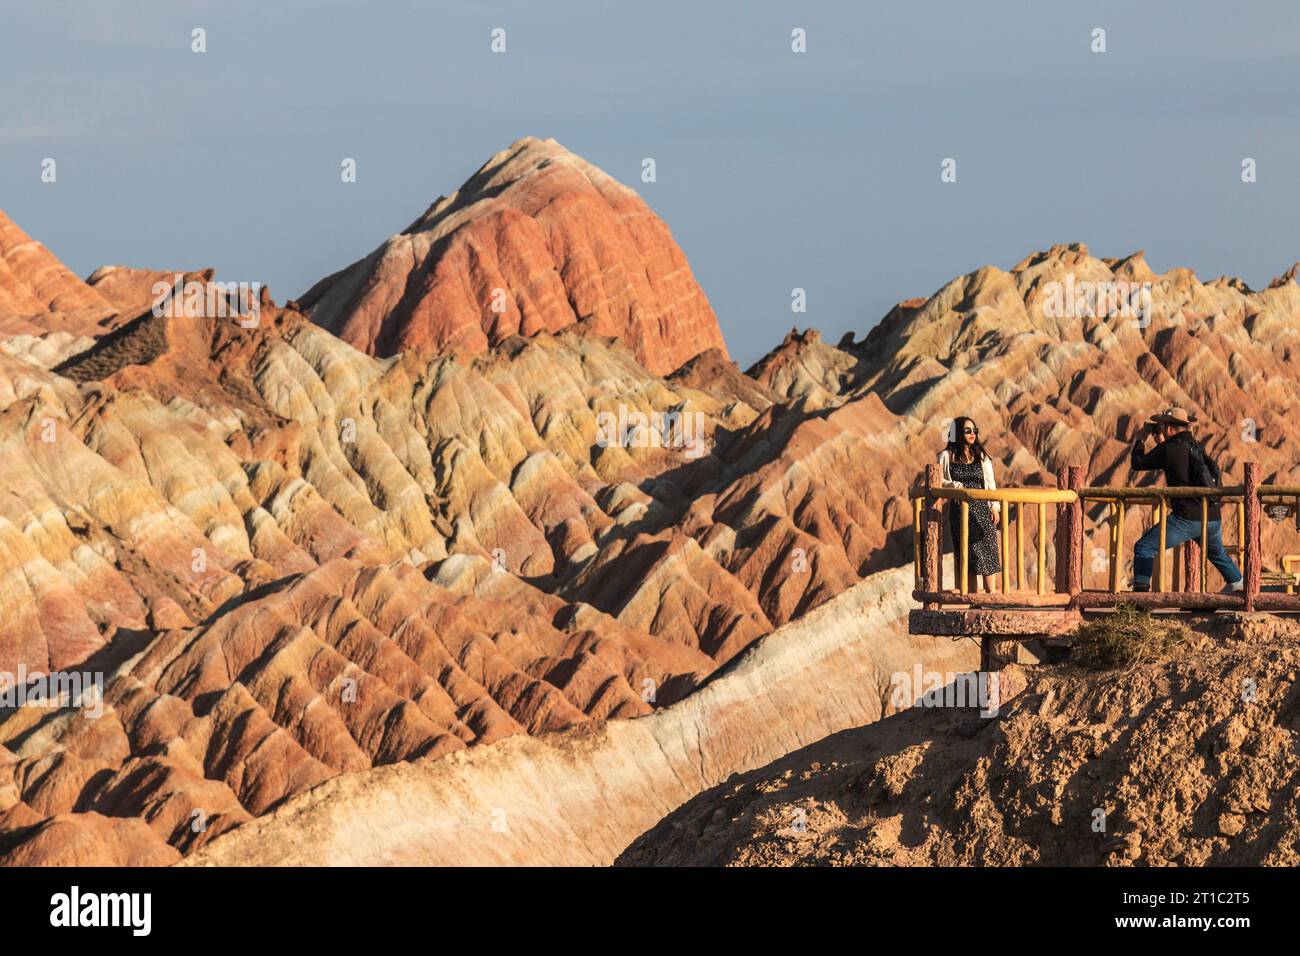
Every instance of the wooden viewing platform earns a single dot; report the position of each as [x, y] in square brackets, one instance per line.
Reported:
[1056, 604]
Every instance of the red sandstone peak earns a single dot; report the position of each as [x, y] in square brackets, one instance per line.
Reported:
[538, 239]
[38, 293]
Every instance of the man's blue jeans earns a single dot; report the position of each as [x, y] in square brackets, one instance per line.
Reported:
[1177, 531]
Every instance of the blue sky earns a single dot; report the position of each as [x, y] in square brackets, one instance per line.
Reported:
[774, 170]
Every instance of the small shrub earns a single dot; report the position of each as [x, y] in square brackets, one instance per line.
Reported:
[1128, 636]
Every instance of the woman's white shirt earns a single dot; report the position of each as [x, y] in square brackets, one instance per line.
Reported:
[945, 476]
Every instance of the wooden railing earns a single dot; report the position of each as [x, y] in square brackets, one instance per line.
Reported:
[1191, 560]
[1007, 497]
[1069, 499]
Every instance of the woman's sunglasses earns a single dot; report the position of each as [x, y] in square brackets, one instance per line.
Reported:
[970, 431]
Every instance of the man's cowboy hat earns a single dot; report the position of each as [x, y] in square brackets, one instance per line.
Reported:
[1173, 416]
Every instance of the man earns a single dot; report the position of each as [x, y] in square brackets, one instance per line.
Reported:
[1185, 464]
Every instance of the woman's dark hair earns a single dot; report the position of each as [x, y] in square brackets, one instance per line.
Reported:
[955, 447]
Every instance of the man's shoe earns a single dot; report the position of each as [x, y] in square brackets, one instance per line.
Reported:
[1236, 588]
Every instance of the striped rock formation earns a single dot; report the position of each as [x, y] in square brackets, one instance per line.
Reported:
[39, 294]
[578, 797]
[537, 240]
[291, 561]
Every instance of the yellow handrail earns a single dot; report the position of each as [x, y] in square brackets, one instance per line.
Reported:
[1205, 547]
[1042, 547]
[918, 520]
[1001, 495]
[1157, 498]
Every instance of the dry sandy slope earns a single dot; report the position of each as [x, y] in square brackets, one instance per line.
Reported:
[579, 796]
[1186, 770]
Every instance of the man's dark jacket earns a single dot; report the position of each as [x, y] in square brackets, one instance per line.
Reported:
[1175, 457]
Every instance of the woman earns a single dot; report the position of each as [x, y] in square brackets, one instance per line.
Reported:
[965, 464]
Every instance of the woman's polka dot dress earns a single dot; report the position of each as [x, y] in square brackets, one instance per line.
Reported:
[984, 548]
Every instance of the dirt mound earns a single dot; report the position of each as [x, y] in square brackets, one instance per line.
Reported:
[1190, 760]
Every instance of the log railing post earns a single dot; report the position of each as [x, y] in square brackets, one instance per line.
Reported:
[1192, 566]
[1062, 527]
[1004, 526]
[963, 546]
[932, 539]
[1113, 556]
[1204, 573]
[1160, 584]
[1121, 579]
[1074, 515]
[1020, 544]
[1251, 545]
[1241, 531]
